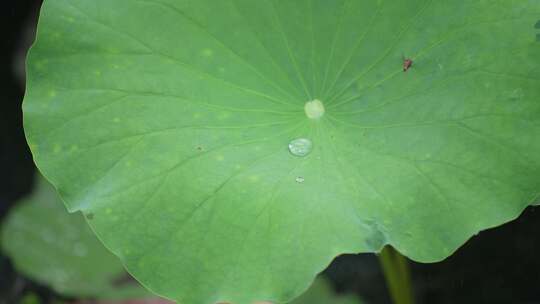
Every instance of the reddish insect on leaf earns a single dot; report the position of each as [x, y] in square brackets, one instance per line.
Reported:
[407, 64]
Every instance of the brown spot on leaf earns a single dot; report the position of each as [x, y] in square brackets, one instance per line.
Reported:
[123, 280]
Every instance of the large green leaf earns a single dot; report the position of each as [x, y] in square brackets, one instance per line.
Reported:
[59, 250]
[170, 122]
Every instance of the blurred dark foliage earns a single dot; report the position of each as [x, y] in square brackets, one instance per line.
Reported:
[17, 23]
[18, 19]
[501, 265]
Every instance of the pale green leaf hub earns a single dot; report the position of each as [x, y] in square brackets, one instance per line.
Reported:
[314, 109]
[172, 121]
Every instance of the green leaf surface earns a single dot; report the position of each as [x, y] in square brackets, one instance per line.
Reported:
[170, 121]
[59, 250]
[321, 292]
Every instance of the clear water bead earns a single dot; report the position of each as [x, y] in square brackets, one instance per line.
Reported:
[299, 179]
[300, 147]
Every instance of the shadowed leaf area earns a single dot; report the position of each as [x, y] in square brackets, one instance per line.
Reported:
[59, 250]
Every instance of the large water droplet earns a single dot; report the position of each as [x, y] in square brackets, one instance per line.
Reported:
[299, 179]
[300, 146]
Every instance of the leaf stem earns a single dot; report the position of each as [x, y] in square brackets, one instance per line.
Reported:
[397, 274]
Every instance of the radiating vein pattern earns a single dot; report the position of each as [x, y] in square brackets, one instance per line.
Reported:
[170, 121]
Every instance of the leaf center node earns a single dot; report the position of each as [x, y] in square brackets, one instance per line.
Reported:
[314, 109]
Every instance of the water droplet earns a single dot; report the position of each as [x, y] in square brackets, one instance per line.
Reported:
[300, 146]
[314, 109]
[299, 179]
[207, 52]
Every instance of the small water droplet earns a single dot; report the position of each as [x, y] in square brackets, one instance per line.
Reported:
[300, 146]
[207, 52]
[299, 179]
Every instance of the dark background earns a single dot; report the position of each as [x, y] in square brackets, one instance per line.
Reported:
[501, 265]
